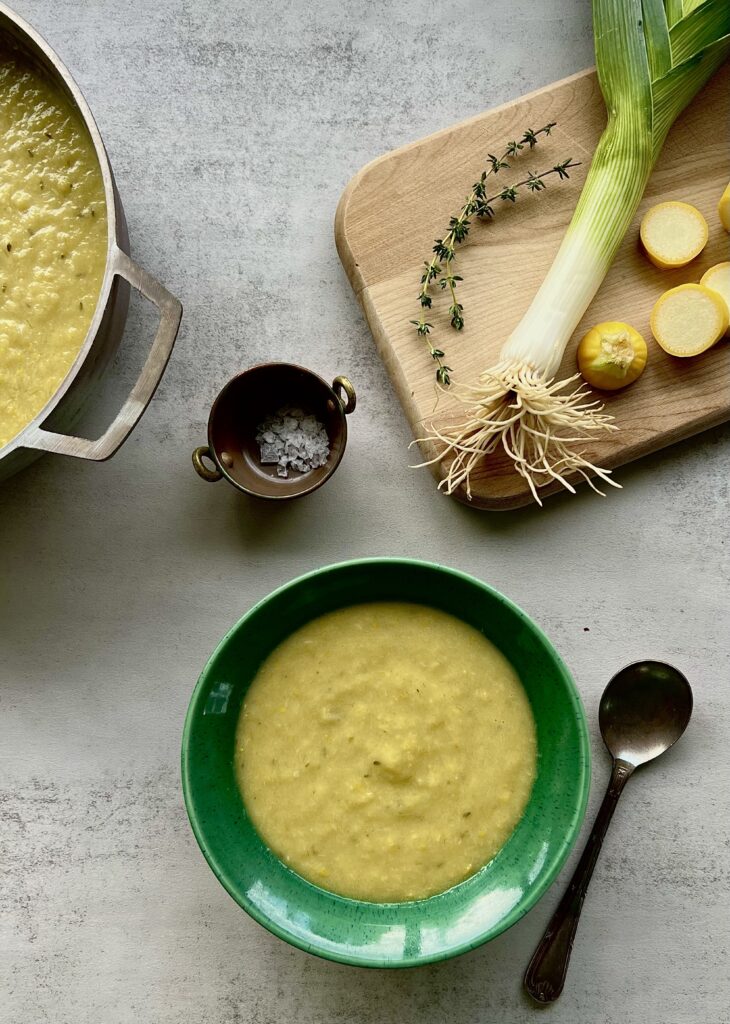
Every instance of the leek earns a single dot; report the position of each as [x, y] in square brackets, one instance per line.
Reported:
[652, 57]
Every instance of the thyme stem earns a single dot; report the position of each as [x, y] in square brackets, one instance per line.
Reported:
[423, 329]
[440, 267]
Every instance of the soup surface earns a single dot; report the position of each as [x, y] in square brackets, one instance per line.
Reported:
[53, 239]
[386, 751]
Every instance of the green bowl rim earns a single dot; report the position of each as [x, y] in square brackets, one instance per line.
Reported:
[533, 894]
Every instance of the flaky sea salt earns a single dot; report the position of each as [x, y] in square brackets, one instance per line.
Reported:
[290, 438]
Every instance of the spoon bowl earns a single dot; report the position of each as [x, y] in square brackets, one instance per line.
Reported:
[644, 710]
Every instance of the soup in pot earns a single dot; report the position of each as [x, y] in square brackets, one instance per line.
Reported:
[53, 238]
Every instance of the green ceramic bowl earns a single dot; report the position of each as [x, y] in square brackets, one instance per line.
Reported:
[387, 934]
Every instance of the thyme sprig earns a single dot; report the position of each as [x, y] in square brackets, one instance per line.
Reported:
[442, 371]
[439, 270]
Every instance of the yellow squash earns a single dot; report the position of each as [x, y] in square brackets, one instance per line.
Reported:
[723, 209]
[718, 279]
[673, 234]
[689, 319]
[612, 355]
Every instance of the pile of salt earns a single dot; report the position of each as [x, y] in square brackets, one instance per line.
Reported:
[291, 438]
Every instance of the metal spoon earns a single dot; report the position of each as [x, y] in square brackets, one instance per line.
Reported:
[643, 711]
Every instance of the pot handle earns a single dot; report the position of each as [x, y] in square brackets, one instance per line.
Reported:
[139, 398]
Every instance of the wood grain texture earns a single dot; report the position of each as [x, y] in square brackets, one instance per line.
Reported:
[394, 207]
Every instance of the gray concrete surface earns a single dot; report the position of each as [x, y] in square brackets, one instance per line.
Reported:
[233, 127]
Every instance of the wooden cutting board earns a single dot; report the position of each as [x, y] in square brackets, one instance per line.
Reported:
[394, 207]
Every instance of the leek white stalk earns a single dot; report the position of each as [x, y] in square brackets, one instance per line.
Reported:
[652, 57]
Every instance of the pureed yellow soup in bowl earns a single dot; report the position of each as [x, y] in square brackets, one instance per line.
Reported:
[53, 237]
[404, 930]
[386, 751]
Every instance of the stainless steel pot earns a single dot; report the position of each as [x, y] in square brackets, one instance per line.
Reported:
[51, 430]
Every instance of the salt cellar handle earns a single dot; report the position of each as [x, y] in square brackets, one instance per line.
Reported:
[211, 474]
[340, 384]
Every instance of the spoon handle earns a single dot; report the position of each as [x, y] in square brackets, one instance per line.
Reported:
[545, 975]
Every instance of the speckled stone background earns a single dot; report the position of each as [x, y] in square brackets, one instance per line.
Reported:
[233, 127]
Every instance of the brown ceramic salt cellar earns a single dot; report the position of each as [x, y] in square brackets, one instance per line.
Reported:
[232, 450]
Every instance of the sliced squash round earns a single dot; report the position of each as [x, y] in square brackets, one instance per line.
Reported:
[717, 278]
[723, 209]
[689, 319]
[673, 234]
